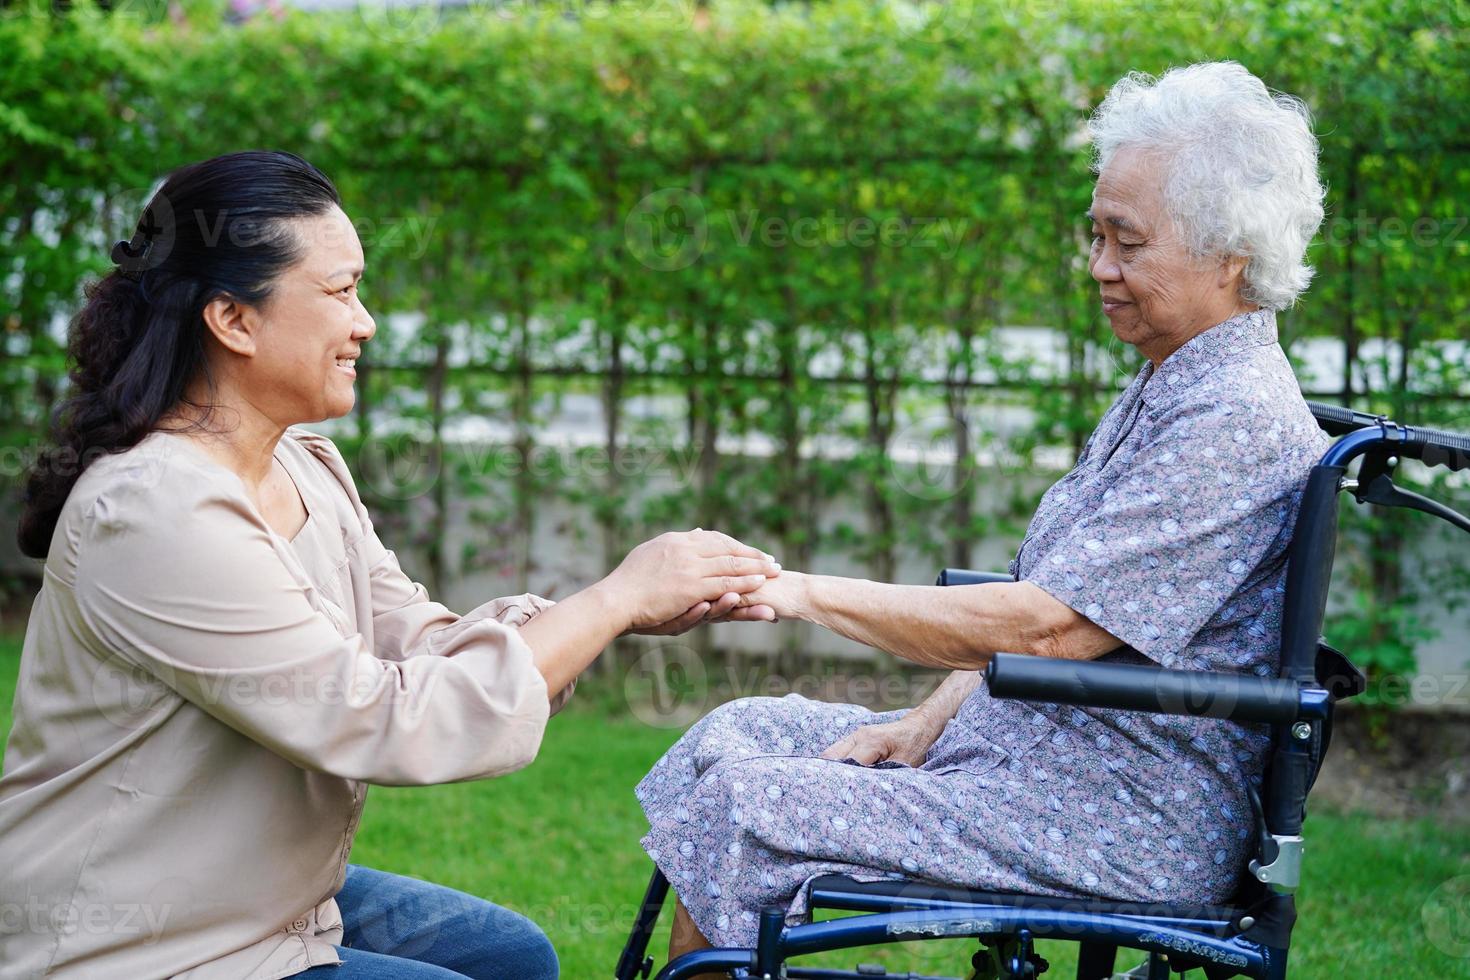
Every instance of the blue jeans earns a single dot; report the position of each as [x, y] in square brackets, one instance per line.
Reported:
[398, 928]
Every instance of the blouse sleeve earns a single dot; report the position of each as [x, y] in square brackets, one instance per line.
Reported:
[1168, 545]
[406, 621]
[189, 587]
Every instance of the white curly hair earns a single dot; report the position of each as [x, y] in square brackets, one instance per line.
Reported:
[1240, 164]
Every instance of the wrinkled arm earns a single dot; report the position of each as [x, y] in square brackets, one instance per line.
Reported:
[959, 626]
[909, 739]
[943, 703]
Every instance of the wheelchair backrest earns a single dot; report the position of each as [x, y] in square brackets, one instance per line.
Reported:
[1299, 748]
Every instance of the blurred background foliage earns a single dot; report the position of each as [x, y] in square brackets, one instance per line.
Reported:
[803, 225]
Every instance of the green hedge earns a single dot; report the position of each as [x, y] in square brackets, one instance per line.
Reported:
[658, 197]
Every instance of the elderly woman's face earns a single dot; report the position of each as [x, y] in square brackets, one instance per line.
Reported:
[1155, 292]
[314, 326]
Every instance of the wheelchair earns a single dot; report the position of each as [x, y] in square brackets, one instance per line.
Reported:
[1249, 937]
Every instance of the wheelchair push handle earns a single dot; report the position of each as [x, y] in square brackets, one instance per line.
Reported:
[1433, 447]
[1130, 687]
[1436, 447]
[1338, 421]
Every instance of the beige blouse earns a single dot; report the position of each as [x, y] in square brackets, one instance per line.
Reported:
[202, 705]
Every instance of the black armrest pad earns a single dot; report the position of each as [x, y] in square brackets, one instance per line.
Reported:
[1337, 673]
[965, 576]
[1239, 697]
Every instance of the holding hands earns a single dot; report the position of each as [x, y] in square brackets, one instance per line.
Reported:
[663, 587]
[676, 581]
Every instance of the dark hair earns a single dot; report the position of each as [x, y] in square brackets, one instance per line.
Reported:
[215, 228]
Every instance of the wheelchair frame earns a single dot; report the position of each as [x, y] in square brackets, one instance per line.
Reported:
[1249, 938]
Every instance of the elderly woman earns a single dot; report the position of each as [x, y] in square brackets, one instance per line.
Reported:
[1165, 544]
[224, 656]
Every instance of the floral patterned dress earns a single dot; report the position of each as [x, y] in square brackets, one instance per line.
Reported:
[1170, 533]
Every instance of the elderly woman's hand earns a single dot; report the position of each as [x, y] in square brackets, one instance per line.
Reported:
[783, 595]
[662, 582]
[725, 609]
[906, 741]
[909, 739]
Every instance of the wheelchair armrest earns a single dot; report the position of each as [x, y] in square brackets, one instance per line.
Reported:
[1131, 687]
[1337, 673]
[966, 576]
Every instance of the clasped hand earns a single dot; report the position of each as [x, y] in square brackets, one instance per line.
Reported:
[676, 581]
[681, 579]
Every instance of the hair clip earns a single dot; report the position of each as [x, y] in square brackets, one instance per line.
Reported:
[132, 261]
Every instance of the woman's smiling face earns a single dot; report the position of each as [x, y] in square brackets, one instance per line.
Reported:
[313, 327]
[1155, 292]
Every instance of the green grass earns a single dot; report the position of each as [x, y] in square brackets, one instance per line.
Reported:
[559, 841]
